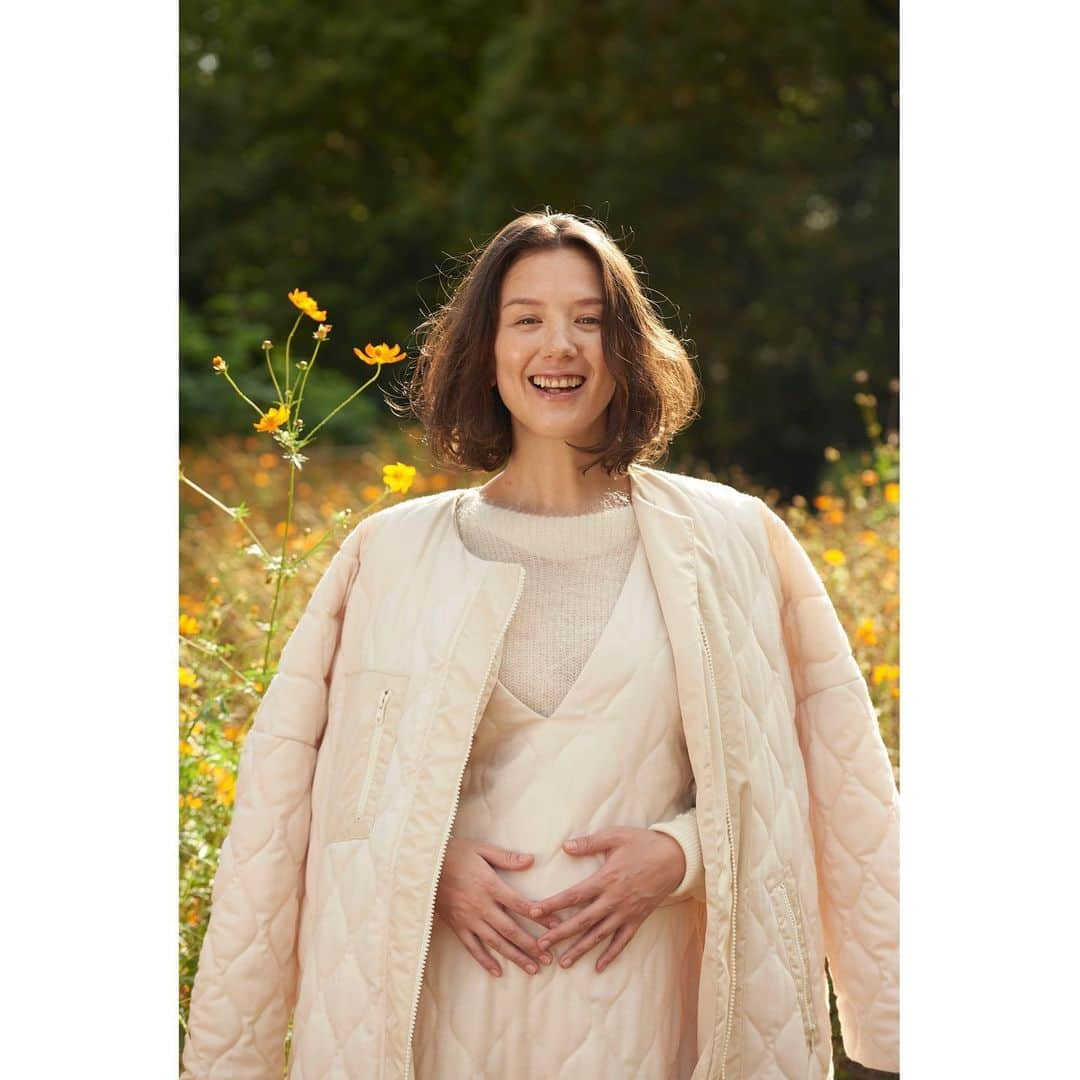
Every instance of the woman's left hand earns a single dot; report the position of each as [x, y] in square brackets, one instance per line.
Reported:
[642, 867]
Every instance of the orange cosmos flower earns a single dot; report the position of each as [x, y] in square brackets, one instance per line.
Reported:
[272, 419]
[380, 354]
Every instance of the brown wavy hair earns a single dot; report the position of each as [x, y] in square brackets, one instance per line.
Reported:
[466, 424]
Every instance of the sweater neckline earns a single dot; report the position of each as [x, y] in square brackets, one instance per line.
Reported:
[559, 537]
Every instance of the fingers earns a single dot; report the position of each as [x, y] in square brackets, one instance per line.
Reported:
[481, 955]
[591, 938]
[618, 943]
[579, 893]
[513, 933]
[512, 900]
[584, 919]
[494, 940]
[503, 858]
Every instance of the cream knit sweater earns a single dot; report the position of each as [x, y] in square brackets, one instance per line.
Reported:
[575, 566]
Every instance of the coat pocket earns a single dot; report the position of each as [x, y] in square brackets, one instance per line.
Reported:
[789, 918]
[371, 706]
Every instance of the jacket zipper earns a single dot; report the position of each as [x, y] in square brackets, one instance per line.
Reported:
[734, 881]
[811, 1026]
[446, 840]
[373, 753]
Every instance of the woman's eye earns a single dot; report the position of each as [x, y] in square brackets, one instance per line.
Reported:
[532, 318]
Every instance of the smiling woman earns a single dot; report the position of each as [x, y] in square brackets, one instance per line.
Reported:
[571, 774]
[550, 297]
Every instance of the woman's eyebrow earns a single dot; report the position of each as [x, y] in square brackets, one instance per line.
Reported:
[540, 303]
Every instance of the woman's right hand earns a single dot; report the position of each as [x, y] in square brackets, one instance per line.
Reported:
[473, 900]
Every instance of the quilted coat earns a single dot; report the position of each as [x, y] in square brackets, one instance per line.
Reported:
[350, 778]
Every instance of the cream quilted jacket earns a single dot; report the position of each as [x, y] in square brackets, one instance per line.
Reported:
[350, 777]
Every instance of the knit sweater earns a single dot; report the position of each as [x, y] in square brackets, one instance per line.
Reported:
[575, 567]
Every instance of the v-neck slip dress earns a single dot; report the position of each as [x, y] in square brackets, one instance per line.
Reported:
[613, 753]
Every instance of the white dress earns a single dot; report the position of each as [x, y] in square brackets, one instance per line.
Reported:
[612, 753]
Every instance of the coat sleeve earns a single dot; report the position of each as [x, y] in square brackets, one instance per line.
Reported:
[854, 807]
[684, 829]
[245, 986]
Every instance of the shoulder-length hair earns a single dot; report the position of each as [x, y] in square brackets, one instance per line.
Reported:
[466, 423]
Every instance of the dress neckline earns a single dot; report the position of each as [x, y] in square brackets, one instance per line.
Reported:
[601, 643]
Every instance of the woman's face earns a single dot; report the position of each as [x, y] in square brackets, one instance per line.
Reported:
[550, 319]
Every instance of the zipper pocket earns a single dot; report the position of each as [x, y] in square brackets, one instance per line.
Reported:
[786, 907]
[373, 753]
[361, 750]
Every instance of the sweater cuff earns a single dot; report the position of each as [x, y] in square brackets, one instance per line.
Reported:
[684, 829]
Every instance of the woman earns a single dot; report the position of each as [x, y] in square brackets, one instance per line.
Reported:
[642, 662]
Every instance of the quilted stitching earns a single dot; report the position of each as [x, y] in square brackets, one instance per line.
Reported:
[295, 916]
[244, 989]
[613, 754]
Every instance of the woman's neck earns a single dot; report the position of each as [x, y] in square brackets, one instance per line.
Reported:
[555, 489]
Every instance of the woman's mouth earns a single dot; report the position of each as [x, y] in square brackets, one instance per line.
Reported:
[557, 386]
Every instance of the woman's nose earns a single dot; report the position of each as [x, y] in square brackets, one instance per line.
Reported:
[558, 341]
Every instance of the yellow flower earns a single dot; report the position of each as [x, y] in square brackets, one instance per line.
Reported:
[379, 354]
[186, 749]
[892, 554]
[885, 673]
[823, 502]
[198, 727]
[835, 517]
[895, 691]
[205, 766]
[866, 633]
[225, 788]
[188, 625]
[869, 477]
[834, 556]
[219, 364]
[187, 677]
[307, 304]
[273, 419]
[892, 493]
[398, 477]
[868, 536]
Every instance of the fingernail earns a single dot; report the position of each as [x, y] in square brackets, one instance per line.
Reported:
[572, 844]
[545, 958]
[530, 968]
[565, 961]
[536, 912]
[543, 943]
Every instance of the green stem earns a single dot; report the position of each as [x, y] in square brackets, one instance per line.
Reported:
[311, 433]
[288, 345]
[228, 510]
[303, 383]
[280, 574]
[242, 394]
[221, 659]
[273, 374]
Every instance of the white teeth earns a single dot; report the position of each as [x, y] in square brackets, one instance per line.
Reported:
[561, 381]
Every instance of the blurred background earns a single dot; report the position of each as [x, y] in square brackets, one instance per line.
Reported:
[744, 154]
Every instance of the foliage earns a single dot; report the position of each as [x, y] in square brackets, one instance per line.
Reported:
[748, 152]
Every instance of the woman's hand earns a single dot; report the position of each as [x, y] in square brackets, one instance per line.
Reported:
[642, 867]
[473, 900]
